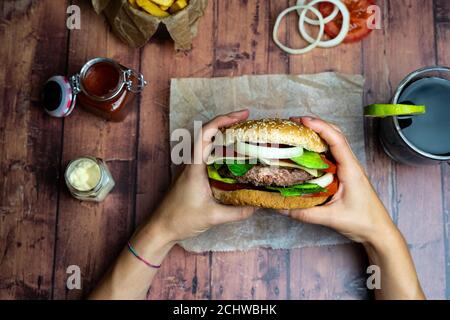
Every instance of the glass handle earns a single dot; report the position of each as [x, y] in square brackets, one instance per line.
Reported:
[131, 78]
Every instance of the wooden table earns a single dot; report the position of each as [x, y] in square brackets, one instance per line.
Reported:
[43, 230]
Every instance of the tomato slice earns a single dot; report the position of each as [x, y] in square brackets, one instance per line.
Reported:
[331, 190]
[358, 19]
[331, 166]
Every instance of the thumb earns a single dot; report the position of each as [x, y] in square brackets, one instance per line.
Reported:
[316, 215]
[225, 213]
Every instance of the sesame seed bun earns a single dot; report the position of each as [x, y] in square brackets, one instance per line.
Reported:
[275, 131]
[265, 199]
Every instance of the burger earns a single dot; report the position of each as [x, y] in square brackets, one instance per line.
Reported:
[271, 163]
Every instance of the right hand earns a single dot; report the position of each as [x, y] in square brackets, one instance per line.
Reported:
[355, 210]
[189, 208]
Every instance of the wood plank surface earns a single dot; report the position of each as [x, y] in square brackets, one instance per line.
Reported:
[243, 47]
[30, 146]
[316, 273]
[419, 214]
[43, 230]
[183, 275]
[90, 235]
[442, 16]
[378, 89]
[398, 49]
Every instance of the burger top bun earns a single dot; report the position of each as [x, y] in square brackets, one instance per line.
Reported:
[276, 131]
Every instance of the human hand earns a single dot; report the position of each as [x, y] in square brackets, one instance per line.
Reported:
[355, 210]
[189, 207]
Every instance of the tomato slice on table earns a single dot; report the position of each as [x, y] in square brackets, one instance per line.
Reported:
[358, 19]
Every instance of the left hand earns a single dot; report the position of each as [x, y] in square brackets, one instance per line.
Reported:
[189, 207]
[355, 210]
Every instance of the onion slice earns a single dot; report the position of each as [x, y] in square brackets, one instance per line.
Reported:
[255, 151]
[313, 43]
[221, 159]
[323, 181]
[316, 22]
[344, 29]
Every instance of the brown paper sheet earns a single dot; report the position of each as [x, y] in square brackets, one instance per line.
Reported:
[136, 27]
[331, 96]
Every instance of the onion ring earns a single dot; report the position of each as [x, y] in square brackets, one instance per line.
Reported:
[267, 152]
[344, 29]
[313, 22]
[313, 43]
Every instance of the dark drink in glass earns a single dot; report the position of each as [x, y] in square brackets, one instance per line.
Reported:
[424, 138]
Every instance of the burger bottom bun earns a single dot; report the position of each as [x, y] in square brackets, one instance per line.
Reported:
[264, 199]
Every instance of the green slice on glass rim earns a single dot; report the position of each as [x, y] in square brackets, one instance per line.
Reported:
[388, 110]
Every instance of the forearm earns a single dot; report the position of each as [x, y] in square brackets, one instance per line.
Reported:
[130, 278]
[399, 279]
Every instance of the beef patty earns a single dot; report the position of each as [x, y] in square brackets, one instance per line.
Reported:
[261, 175]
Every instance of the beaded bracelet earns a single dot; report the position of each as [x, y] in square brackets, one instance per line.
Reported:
[130, 247]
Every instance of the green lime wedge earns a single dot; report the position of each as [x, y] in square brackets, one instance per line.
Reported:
[387, 110]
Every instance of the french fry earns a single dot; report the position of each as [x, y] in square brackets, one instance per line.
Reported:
[165, 8]
[152, 8]
[166, 3]
[178, 5]
[133, 4]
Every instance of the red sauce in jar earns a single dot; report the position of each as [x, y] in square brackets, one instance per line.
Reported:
[101, 80]
[105, 92]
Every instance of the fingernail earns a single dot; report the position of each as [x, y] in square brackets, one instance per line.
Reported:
[307, 118]
[284, 212]
[238, 111]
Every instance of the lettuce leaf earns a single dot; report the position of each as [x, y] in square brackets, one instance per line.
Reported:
[214, 175]
[298, 190]
[239, 168]
[310, 159]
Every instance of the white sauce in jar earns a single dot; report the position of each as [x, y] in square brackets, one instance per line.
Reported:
[84, 175]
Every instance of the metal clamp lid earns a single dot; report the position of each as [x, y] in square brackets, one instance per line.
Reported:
[131, 85]
[75, 83]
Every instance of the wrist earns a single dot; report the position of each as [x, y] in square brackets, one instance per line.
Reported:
[381, 243]
[157, 234]
[382, 230]
[150, 242]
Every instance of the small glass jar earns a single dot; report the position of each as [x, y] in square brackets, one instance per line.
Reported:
[88, 179]
[103, 87]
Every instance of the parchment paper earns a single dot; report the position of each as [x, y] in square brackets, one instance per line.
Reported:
[331, 96]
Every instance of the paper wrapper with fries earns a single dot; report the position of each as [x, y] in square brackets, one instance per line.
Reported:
[136, 21]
